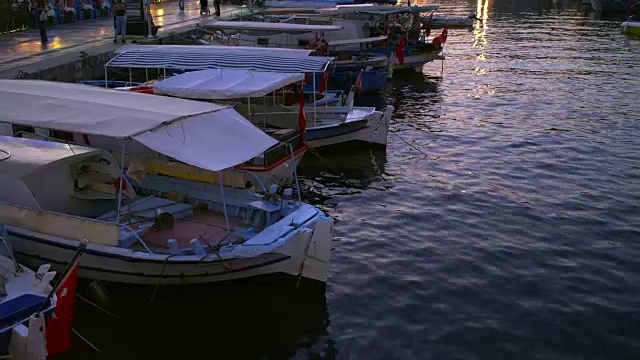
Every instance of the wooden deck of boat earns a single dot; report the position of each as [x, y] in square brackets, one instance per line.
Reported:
[210, 228]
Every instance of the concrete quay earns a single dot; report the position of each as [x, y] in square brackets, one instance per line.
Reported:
[79, 51]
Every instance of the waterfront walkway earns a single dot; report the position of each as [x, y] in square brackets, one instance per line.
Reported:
[24, 48]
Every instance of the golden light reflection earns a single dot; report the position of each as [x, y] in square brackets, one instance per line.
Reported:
[55, 44]
[160, 12]
[480, 30]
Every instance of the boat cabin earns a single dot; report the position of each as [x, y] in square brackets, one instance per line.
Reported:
[58, 177]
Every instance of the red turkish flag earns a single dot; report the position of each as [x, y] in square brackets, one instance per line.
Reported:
[59, 326]
[400, 51]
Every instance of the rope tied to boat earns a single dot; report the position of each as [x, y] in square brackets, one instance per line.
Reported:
[7, 154]
[215, 249]
[304, 259]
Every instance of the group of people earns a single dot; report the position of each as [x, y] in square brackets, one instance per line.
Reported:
[30, 14]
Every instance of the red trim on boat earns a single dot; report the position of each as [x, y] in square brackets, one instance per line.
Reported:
[144, 89]
[277, 163]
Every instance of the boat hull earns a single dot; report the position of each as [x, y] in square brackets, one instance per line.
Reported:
[414, 56]
[372, 80]
[439, 22]
[372, 133]
[310, 246]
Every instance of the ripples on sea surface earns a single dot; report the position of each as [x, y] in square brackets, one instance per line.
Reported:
[515, 237]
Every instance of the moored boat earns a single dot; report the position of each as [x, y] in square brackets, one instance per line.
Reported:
[180, 232]
[348, 23]
[262, 105]
[368, 122]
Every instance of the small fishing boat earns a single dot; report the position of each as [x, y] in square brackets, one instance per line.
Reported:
[356, 29]
[440, 21]
[180, 231]
[23, 294]
[273, 60]
[347, 64]
[631, 28]
[367, 21]
[263, 105]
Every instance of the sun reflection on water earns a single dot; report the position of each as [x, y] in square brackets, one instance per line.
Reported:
[480, 30]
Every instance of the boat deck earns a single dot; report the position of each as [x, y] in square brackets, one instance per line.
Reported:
[210, 228]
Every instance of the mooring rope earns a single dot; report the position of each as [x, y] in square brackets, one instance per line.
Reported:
[7, 155]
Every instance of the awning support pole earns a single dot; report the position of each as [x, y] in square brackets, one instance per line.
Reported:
[224, 201]
[130, 77]
[120, 184]
[314, 101]
[295, 173]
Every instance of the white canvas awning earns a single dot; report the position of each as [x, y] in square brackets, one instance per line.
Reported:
[246, 26]
[205, 135]
[219, 57]
[224, 84]
[207, 49]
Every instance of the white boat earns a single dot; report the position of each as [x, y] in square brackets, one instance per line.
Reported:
[440, 21]
[24, 295]
[182, 234]
[355, 124]
[326, 125]
[354, 22]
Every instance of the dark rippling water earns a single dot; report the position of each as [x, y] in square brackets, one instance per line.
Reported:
[516, 236]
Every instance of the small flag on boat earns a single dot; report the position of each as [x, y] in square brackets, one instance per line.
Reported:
[400, 51]
[359, 83]
[442, 38]
[324, 81]
[59, 327]
[302, 119]
[445, 34]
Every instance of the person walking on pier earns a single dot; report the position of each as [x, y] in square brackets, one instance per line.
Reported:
[216, 5]
[42, 22]
[120, 14]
